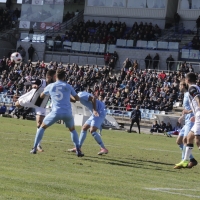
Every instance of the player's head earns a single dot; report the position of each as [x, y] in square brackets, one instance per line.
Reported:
[50, 76]
[190, 78]
[60, 74]
[182, 86]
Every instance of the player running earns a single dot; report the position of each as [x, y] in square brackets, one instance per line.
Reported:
[194, 99]
[32, 98]
[97, 108]
[182, 138]
[60, 93]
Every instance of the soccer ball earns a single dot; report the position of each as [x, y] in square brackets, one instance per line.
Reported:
[16, 57]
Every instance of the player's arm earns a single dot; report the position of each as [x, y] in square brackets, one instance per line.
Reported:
[93, 100]
[45, 92]
[75, 98]
[185, 112]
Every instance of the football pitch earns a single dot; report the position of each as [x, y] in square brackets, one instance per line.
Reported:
[137, 166]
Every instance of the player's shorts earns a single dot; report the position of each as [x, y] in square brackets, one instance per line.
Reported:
[196, 127]
[186, 129]
[53, 117]
[96, 121]
[40, 111]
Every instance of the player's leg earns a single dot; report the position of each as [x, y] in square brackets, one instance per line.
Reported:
[95, 124]
[138, 125]
[69, 123]
[188, 150]
[132, 122]
[40, 114]
[49, 120]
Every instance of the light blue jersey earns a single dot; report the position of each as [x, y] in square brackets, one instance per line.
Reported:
[100, 108]
[84, 99]
[186, 105]
[188, 124]
[60, 95]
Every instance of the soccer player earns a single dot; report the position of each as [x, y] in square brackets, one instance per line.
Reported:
[97, 108]
[194, 134]
[182, 138]
[32, 99]
[60, 93]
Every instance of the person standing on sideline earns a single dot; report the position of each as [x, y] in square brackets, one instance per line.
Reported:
[97, 108]
[31, 51]
[170, 62]
[61, 94]
[182, 138]
[135, 117]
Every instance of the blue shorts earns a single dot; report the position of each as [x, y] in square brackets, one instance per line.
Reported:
[96, 121]
[186, 129]
[53, 117]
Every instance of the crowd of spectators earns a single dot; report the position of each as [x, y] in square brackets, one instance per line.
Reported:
[108, 33]
[149, 89]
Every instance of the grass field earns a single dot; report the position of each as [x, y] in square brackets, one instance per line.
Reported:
[137, 166]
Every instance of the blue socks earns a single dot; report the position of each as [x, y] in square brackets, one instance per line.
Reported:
[39, 136]
[98, 139]
[82, 137]
[74, 136]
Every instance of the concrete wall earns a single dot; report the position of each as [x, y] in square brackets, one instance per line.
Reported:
[140, 54]
[39, 48]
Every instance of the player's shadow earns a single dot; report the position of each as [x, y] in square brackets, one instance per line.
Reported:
[136, 164]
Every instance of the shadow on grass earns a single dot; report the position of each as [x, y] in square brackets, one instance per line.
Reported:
[138, 163]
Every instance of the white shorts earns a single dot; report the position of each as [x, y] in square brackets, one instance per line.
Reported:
[196, 127]
[40, 111]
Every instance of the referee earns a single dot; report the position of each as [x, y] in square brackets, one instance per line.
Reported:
[135, 117]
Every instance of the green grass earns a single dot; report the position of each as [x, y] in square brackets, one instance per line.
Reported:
[137, 166]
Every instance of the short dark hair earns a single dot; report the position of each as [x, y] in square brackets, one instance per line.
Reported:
[60, 73]
[192, 78]
[51, 72]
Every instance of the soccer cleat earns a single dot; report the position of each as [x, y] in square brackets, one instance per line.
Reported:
[182, 164]
[33, 151]
[192, 163]
[39, 148]
[79, 153]
[103, 151]
[72, 150]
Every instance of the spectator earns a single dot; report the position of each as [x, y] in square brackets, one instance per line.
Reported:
[127, 64]
[168, 127]
[170, 62]
[175, 130]
[31, 51]
[155, 127]
[31, 31]
[11, 109]
[176, 21]
[148, 61]
[107, 57]
[3, 109]
[156, 61]
[198, 24]
[162, 127]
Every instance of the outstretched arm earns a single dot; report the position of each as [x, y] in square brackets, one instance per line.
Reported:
[93, 100]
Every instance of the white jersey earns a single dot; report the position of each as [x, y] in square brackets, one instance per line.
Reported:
[32, 98]
[193, 103]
